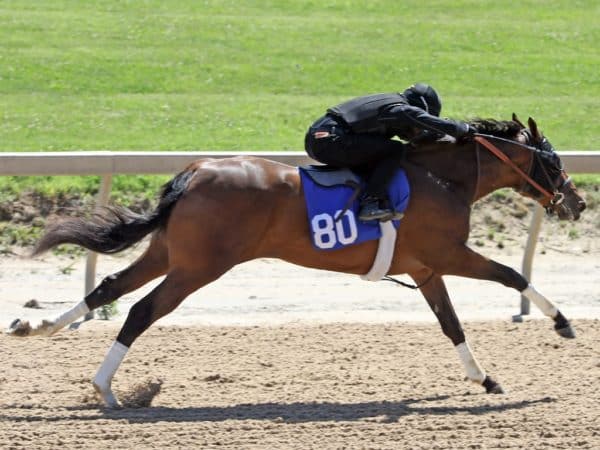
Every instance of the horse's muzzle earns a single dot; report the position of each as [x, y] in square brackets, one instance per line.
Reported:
[579, 207]
[565, 211]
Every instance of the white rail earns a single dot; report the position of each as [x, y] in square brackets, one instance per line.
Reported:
[108, 163]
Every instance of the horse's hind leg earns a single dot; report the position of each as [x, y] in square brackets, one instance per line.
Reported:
[471, 264]
[177, 285]
[434, 291]
[151, 264]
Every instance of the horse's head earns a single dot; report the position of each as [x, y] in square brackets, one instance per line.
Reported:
[559, 193]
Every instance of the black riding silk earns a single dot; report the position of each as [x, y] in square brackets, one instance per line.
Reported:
[358, 133]
[391, 115]
[362, 114]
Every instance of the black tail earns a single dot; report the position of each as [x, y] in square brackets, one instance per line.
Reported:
[113, 229]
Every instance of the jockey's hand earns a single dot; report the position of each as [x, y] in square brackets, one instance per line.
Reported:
[467, 135]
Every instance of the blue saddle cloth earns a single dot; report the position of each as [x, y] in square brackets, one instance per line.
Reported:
[325, 203]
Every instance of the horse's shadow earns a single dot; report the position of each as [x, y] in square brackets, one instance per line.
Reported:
[300, 412]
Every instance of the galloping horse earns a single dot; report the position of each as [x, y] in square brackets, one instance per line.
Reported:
[216, 214]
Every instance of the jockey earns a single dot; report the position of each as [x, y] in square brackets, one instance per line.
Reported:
[359, 134]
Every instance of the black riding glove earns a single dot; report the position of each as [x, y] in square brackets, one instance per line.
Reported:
[466, 135]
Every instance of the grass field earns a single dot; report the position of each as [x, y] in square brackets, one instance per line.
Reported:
[252, 75]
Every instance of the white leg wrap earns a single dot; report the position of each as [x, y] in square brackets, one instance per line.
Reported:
[49, 327]
[106, 372]
[79, 310]
[474, 371]
[109, 366]
[540, 301]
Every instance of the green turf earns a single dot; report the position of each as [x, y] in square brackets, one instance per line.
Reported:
[252, 75]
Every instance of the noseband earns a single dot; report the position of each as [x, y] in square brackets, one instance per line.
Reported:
[553, 198]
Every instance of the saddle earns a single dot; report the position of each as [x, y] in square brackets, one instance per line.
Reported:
[328, 176]
[331, 197]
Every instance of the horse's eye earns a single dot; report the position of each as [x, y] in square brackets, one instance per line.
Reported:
[546, 146]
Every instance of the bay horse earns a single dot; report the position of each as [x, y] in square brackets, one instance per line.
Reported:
[218, 213]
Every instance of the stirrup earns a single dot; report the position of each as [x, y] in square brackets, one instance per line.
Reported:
[368, 214]
[371, 210]
[397, 215]
[383, 215]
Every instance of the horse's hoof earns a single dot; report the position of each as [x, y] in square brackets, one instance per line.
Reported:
[107, 396]
[563, 327]
[19, 328]
[566, 332]
[491, 387]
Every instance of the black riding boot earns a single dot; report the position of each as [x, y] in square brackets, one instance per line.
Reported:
[371, 209]
[375, 204]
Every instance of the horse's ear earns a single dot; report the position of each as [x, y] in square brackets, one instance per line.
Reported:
[533, 128]
[516, 119]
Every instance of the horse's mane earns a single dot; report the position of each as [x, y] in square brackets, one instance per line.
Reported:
[500, 128]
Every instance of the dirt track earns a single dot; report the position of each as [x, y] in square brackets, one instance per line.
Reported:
[297, 386]
[309, 384]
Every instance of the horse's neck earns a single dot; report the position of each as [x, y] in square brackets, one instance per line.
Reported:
[455, 165]
[473, 171]
[495, 173]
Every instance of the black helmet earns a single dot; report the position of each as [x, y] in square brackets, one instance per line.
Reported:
[424, 96]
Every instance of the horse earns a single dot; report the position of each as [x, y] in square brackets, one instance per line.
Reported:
[218, 213]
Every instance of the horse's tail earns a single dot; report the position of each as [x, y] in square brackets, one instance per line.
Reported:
[113, 229]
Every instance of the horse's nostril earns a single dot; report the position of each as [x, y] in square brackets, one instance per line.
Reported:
[582, 206]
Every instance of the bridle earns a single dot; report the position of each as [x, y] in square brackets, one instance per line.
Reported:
[551, 199]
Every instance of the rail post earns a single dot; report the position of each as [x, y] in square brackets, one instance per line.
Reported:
[526, 268]
[92, 257]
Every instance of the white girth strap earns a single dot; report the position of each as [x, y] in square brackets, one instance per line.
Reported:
[385, 253]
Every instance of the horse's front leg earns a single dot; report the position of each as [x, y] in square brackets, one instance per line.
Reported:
[434, 291]
[471, 264]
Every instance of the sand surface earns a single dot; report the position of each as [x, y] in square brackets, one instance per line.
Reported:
[383, 386]
[273, 356]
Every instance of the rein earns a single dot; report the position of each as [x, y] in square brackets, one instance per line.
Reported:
[480, 139]
[410, 286]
